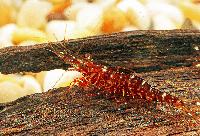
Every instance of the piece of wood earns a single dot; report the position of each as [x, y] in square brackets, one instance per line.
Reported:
[137, 50]
[75, 112]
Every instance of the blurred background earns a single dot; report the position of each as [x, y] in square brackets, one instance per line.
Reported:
[28, 22]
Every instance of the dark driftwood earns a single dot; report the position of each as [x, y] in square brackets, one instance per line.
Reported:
[137, 50]
[74, 112]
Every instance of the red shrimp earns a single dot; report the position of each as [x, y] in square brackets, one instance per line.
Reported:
[112, 81]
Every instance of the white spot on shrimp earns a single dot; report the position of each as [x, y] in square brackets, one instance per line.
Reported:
[140, 95]
[197, 65]
[80, 61]
[163, 95]
[196, 48]
[123, 93]
[133, 76]
[104, 69]
[143, 82]
[88, 56]
[190, 114]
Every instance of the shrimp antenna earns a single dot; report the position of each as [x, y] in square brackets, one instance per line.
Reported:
[65, 32]
[63, 72]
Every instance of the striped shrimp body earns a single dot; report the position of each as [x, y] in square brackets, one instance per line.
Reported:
[111, 81]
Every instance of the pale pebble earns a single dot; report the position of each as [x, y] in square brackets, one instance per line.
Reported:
[136, 13]
[114, 20]
[10, 91]
[106, 4]
[57, 1]
[28, 43]
[6, 35]
[162, 22]
[60, 29]
[40, 78]
[17, 4]
[168, 10]
[7, 11]
[28, 34]
[27, 82]
[59, 78]
[72, 11]
[90, 17]
[33, 13]
[31, 85]
[10, 77]
[190, 10]
[5, 43]
[129, 28]
[79, 1]
[163, 1]
[80, 33]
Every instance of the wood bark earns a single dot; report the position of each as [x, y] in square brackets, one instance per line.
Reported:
[138, 50]
[166, 59]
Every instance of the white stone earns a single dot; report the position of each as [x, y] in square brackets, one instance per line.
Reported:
[28, 43]
[60, 30]
[161, 22]
[129, 28]
[59, 78]
[7, 12]
[10, 91]
[40, 78]
[31, 85]
[79, 1]
[136, 13]
[168, 10]
[33, 13]
[6, 35]
[14, 86]
[106, 4]
[90, 17]
[72, 11]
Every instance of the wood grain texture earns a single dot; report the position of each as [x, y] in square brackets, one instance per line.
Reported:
[74, 112]
[137, 50]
